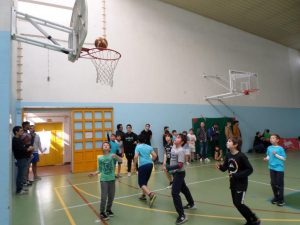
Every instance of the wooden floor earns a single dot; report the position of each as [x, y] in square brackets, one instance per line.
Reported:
[74, 198]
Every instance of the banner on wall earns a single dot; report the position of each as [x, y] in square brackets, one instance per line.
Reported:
[289, 143]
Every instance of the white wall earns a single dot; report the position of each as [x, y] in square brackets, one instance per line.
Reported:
[164, 50]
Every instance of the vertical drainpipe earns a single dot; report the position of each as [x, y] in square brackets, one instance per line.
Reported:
[19, 71]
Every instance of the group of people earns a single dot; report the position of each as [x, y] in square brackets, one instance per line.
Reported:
[138, 150]
[235, 163]
[26, 145]
[261, 141]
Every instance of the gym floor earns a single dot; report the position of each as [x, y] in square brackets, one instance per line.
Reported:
[74, 198]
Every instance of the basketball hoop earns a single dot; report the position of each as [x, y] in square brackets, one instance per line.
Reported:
[105, 61]
[249, 91]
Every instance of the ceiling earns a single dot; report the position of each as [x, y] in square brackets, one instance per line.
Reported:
[276, 20]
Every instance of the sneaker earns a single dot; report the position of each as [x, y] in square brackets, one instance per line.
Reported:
[129, 174]
[274, 201]
[143, 197]
[201, 160]
[181, 219]
[27, 185]
[207, 160]
[37, 178]
[152, 199]
[109, 213]
[103, 216]
[188, 206]
[25, 189]
[22, 192]
[281, 203]
[170, 185]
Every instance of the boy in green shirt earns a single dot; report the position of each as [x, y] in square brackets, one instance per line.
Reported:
[106, 167]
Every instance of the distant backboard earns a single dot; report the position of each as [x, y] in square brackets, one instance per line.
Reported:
[79, 22]
[241, 81]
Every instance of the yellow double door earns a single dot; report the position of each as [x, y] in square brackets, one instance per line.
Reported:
[51, 135]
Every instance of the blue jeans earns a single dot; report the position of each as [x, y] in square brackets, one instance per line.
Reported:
[22, 165]
[203, 149]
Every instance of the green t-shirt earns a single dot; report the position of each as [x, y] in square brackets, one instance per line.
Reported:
[106, 167]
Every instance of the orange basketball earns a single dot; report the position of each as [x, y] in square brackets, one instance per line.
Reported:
[101, 42]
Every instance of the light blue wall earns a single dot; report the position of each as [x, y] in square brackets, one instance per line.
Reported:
[283, 121]
[5, 141]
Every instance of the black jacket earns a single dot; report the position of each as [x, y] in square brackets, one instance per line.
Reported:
[19, 149]
[240, 168]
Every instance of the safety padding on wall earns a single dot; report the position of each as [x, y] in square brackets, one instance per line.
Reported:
[290, 143]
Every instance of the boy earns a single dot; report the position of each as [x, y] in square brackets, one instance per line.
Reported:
[121, 153]
[143, 153]
[21, 153]
[179, 185]
[129, 144]
[192, 143]
[276, 157]
[239, 168]
[106, 167]
[167, 157]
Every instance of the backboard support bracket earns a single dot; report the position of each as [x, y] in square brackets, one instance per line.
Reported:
[38, 23]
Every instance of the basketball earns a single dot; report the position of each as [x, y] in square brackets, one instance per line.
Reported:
[101, 42]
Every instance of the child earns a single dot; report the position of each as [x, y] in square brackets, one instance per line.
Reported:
[239, 168]
[218, 154]
[106, 167]
[167, 156]
[143, 153]
[121, 153]
[276, 157]
[192, 140]
[114, 147]
[174, 135]
[186, 149]
[179, 185]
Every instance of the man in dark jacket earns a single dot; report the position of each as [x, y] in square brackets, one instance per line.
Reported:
[21, 153]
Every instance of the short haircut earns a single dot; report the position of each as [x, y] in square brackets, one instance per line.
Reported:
[276, 135]
[183, 138]
[113, 135]
[169, 135]
[166, 127]
[267, 130]
[119, 125]
[128, 125]
[236, 141]
[174, 131]
[25, 123]
[142, 139]
[191, 129]
[257, 133]
[105, 142]
[16, 129]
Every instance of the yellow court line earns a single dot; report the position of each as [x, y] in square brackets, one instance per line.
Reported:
[65, 207]
[189, 214]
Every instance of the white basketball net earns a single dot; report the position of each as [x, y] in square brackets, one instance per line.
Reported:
[105, 62]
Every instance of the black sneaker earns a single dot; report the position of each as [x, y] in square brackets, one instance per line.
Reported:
[109, 213]
[257, 222]
[188, 206]
[274, 201]
[143, 198]
[280, 203]
[103, 216]
[181, 219]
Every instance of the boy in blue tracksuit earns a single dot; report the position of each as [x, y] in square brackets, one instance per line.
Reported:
[276, 157]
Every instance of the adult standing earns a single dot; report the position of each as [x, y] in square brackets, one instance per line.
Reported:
[37, 145]
[236, 130]
[147, 133]
[20, 153]
[27, 141]
[202, 137]
[214, 137]
[228, 130]
[129, 144]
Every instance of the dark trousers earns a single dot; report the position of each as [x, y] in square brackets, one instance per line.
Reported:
[129, 157]
[22, 165]
[178, 186]
[277, 183]
[238, 201]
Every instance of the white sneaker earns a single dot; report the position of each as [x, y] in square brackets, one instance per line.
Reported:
[207, 160]
[129, 174]
[201, 160]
